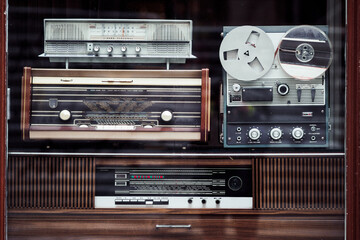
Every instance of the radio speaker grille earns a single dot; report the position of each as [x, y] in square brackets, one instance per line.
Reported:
[299, 183]
[51, 182]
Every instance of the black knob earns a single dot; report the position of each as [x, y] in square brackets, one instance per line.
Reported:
[217, 201]
[190, 201]
[235, 183]
[203, 201]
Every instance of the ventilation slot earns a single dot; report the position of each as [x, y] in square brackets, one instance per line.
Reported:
[51, 182]
[299, 183]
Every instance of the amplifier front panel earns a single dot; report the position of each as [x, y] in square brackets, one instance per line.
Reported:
[173, 187]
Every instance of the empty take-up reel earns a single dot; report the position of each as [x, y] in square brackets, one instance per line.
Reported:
[275, 86]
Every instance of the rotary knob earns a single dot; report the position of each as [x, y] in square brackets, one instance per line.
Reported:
[297, 133]
[235, 183]
[123, 49]
[275, 133]
[254, 134]
[236, 87]
[109, 49]
[137, 49]
[166, 116]
[65, 115]
[96, 48]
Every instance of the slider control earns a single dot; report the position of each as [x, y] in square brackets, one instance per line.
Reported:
[313, 92]
[298, 92]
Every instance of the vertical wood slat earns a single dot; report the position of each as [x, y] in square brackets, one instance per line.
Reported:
[299, 183]
[51, 182]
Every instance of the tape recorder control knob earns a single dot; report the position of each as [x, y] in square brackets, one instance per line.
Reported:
[166, 116]
[254, 134]
[297, 133]
[65, 115]
[236, 87]
[283, 89]
[275, 133]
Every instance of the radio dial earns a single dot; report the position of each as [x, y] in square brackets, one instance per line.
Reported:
[275, 133]
[254, 134]
[235, 183]
[166, 116]
[65, 115]
[297, 133]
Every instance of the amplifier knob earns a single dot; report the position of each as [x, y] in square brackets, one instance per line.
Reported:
[96, 48]
[166, 115]
[123, 49]
[137, 49]
[109, 49]
[235, 183]
[217, 201]
[190, 201]
[297, 133]
[254, 134]
[65, 115]
[275, 133]
[203, 201]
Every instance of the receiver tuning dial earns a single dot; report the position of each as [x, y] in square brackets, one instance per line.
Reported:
[254, 134]
[235, 183]
[297, 133]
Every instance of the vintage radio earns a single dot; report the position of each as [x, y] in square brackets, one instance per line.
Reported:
[117, 40]
[121, 187]
[275, 86]
[158, 105]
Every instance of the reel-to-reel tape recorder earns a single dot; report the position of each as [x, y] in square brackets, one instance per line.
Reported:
[275, 86]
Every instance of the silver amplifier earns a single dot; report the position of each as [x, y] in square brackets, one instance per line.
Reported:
[117, 40]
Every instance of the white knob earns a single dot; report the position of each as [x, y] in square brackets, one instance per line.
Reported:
[166, 115]
[109, 49]
[123, 49]
[297, 133]
[65, 115]
[137, 49]
[254, 134]
[276, 133]
[236, 87]
[96, 48]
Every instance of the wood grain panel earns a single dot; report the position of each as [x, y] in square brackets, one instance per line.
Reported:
[202, 227]
[3, 110]
[353, 121]
[299, 183]
[50, 182]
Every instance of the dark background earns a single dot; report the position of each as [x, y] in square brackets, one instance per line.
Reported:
[25, 43]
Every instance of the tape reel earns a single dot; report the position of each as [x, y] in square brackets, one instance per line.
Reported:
[246, 53]
[305, 52]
